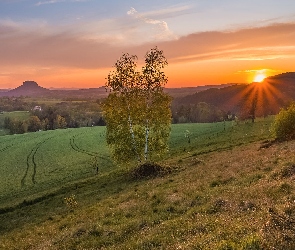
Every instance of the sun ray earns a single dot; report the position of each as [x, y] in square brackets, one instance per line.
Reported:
[256, 99]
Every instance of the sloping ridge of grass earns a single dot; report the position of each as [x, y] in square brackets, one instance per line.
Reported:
[64, 189]
[226, 190]
[241, 198]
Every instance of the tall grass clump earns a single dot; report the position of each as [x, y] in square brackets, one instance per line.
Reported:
[284, 123]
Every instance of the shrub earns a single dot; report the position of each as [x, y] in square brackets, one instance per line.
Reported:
[71, 202]
[148, 170]
[284, 124]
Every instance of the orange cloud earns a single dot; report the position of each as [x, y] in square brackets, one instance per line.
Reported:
[200, 58]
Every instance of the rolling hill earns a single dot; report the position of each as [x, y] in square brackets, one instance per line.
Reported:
[32, 89]
[269, 96]
[28, 88]
[214, 197]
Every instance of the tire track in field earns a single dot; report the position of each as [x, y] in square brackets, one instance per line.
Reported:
[31, 161]
[5, 148]
[75, 147]
[11, 141]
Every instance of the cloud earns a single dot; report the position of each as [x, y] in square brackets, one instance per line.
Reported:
[169, 12]
[27, 47]
[49, 2]
[260, 71]
[256, 43]
[57, 1]
[162, 32]
[44, 47]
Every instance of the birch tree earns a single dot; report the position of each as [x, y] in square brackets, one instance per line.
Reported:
[137, 111]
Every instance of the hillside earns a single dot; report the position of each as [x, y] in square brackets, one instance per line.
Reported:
[270, 95]
[28, 88]
[185, 91]
[32, 89]
[214, 197]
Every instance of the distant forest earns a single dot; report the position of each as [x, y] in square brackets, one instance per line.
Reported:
[62, 114]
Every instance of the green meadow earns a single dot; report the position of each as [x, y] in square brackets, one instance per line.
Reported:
[60, 190]
[36, 162]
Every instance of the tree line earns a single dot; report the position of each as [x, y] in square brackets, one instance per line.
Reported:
[198, 113]
[50, 117]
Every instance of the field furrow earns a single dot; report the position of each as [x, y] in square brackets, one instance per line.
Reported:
[81, 150]
[31, 162]
[5, 148]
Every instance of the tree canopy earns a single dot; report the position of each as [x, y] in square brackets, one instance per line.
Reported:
[137, 111]
[284, 124]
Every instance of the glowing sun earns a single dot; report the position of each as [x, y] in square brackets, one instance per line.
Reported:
[259, 77]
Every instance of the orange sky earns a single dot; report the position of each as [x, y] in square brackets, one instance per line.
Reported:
[72, 60]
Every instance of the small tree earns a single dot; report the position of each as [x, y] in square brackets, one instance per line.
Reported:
[284, 124]
[34, 124]
[59, 122]
[137, 111]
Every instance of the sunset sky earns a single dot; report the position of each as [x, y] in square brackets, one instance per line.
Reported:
[75, 43]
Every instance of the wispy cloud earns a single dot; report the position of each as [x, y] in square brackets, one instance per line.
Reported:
[49, 2]
[45, 47]
[162, 30]
[57, 1]
[257, 43]
[168, 12]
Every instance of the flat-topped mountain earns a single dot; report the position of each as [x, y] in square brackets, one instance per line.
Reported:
[28, 88]
[32, 89]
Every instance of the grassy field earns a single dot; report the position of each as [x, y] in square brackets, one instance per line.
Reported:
[36, 162]
[218, 196]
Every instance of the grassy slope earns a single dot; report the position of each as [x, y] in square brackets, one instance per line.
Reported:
[37, 162]
[218, 197]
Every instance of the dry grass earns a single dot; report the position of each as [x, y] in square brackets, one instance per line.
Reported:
[219, 193]
[231, 199]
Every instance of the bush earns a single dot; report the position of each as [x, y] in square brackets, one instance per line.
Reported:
[284, 124]
[149, 170]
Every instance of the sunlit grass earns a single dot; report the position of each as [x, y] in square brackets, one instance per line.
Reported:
[218, 197]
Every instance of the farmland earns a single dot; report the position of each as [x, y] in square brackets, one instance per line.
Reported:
[45, 159]
[36, 162]
[217, 196]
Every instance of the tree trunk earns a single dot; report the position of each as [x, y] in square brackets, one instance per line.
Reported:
[146, 148]
[133, 138]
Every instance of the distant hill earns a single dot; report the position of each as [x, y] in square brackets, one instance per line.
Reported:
[28, 88]
[184, 91]
[32, 89]
[284, 76]
[269, 96]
